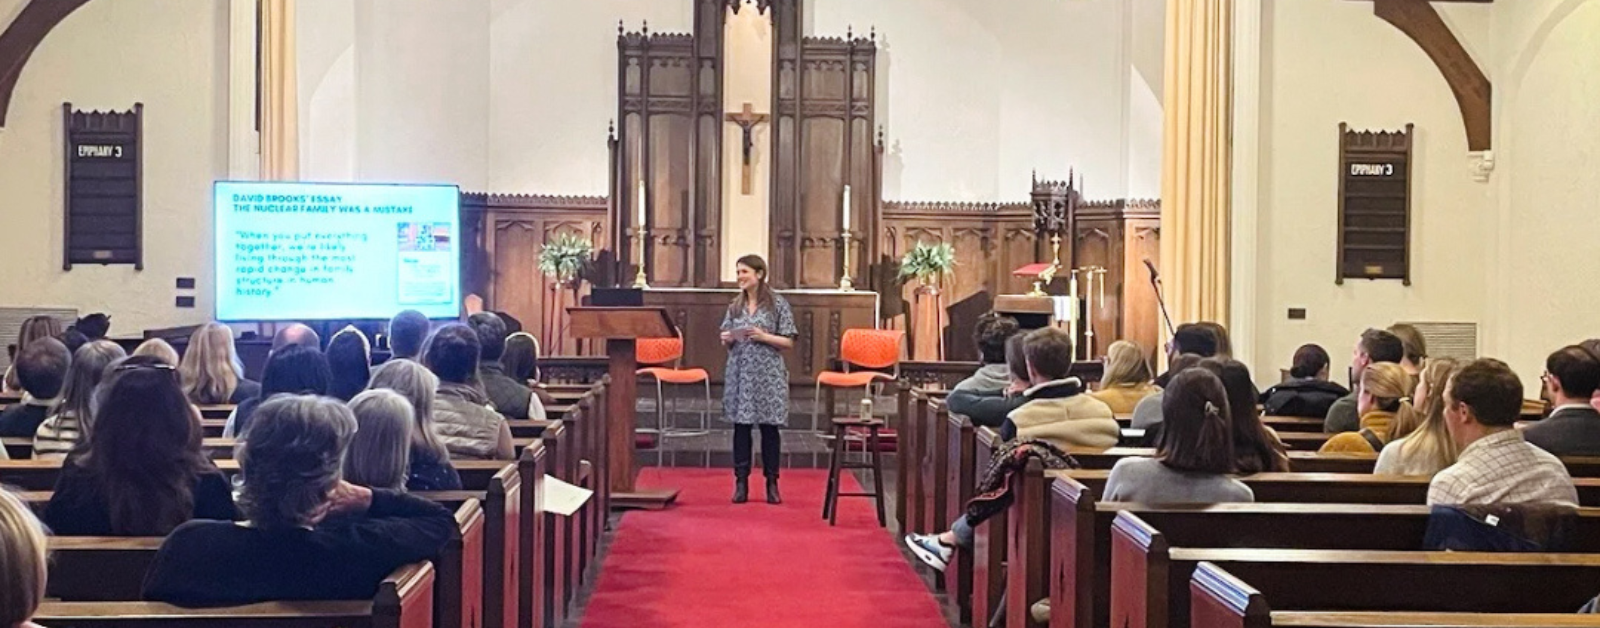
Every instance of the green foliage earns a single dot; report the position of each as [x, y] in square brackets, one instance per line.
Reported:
[925, 261]
[566, 258]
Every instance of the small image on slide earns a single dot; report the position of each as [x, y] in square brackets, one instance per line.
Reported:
[424, 268]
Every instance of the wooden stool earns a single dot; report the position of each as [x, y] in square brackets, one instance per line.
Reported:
[830, 501]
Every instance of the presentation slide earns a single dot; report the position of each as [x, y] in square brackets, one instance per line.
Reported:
[311, 251]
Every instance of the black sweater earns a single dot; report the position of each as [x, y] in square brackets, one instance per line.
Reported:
[79, 506]
[209, 563]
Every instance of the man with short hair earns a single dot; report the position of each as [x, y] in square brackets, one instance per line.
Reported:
[1196, 339]
[511, 398]
[1481, 404]
[407, 331]
[1375, 345]
[992, 392]
[1571, 376]
[42, 369]
[296, 334]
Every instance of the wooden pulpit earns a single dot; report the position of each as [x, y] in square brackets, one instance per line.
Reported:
[619, 326]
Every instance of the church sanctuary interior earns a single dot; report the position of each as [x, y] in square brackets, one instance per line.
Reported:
[821, 313]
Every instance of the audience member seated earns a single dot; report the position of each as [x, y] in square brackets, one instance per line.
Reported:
[142, 472]
[1192, 338]
[1496, 466]
[429, 461]
[512, 398]
[1224, 342]
[1375, 345]
[1428, 449]
[1414, 348]
[521, 358]
[211, 370]
[380, 450]
[992, 408]
[159, 349]
[24, 561]
[461, 414]
[311, 535]
[62, 431]
[1195, 453]
[407, 331]
[1256, 448]
[350, 362]
[296, 334]
[33, 328]
[1593, 345]
[41, 369]
[1147, 415]
[1386, 411]
[94, 326]
[1308, 393]
[1057, 410]
[989, 335]
[1571, 377]
[73, 339]
[293, 370]
[1127, 377]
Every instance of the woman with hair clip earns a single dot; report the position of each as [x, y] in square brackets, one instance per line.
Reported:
[1429, 449]
[1386, 413]
[757, 328]
[211, 370]
[1194, 455]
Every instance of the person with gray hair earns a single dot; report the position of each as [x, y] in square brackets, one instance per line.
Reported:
[380, 451]
[311, 534]
[430, 468]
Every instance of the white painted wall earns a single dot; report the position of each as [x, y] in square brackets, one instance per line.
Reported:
[172, 56]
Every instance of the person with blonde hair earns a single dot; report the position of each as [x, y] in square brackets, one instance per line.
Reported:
[1384, 403]
[380, 449]
[24, 561]
[33, 328]
[159, 349]
[71, 423]
[211, 371]
[1127, 377]
[1429, 449]
[429, 467]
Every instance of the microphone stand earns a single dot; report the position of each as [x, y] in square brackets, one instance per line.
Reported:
[1161, 299]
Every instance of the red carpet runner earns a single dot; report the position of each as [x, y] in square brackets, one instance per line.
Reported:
[708, 562]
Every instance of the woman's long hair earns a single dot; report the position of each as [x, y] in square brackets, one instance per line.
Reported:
[158, 348]
[1126, 364]
[350, 363]
[1195, 433]
[33, 328]
[521, 358]
[1390, 388]
[145, 448]
[419, 386]
[380, 449]
[1256, 449]
[1431, 441]
[210, 367]
[765, 297]
[89, 366]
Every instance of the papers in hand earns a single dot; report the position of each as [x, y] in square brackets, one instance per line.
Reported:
[562, 498]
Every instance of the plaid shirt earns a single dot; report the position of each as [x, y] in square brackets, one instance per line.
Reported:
[1502, 468]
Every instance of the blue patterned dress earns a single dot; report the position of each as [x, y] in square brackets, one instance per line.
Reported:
[756, 381]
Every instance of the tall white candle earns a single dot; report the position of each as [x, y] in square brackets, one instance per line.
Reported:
[641, 204]
[847, 207]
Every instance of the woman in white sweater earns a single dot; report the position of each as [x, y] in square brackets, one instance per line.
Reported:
[1429, 449]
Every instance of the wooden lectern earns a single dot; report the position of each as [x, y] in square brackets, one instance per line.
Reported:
[619, 326]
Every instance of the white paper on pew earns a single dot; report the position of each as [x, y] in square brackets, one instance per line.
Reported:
[562, 498]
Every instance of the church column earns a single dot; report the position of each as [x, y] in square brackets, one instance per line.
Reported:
[280, 100]
[1197, 164]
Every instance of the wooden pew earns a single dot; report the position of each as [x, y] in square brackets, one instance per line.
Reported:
[989, 544]
[21, 447]
[1293, 424]
[404, 600]
[1330, 488]
[1220, 600]
[520, 428]
[961, 482]
[1150, 572]
[1305, 461]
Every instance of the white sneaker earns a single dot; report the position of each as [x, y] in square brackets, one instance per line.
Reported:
[928, 548]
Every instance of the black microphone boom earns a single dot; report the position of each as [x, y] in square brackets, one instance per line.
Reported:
[1155, 282]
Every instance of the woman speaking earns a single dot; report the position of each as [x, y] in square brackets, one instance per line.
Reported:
[757, 327]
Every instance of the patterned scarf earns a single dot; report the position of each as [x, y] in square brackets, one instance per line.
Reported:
[994, 490]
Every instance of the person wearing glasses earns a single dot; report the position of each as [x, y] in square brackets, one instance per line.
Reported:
[1571, 376]
[141, 471]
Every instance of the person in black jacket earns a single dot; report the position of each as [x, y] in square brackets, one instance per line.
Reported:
[511, 398]
[141, 471]
[1308, 393]
[988, 407]
[311, 535]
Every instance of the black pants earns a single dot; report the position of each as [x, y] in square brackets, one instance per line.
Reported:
[771, 449]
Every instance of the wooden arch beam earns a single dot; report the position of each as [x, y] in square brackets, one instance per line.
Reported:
[1420, 21]
[20, 39]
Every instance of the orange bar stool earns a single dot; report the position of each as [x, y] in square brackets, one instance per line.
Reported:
[662, 355]
[877, 349]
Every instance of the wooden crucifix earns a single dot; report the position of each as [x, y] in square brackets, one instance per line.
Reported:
[747, 119]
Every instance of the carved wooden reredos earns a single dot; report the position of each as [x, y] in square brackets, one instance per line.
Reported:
[671, 135]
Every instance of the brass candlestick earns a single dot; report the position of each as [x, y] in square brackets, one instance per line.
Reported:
[640, 282]
[845, 283]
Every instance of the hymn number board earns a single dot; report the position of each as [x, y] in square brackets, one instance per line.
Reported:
[104, 172]
[1374, 204]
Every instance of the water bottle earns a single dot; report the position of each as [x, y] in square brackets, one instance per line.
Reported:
[866, 408]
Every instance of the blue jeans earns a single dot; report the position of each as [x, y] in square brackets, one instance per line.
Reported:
[963, 532]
